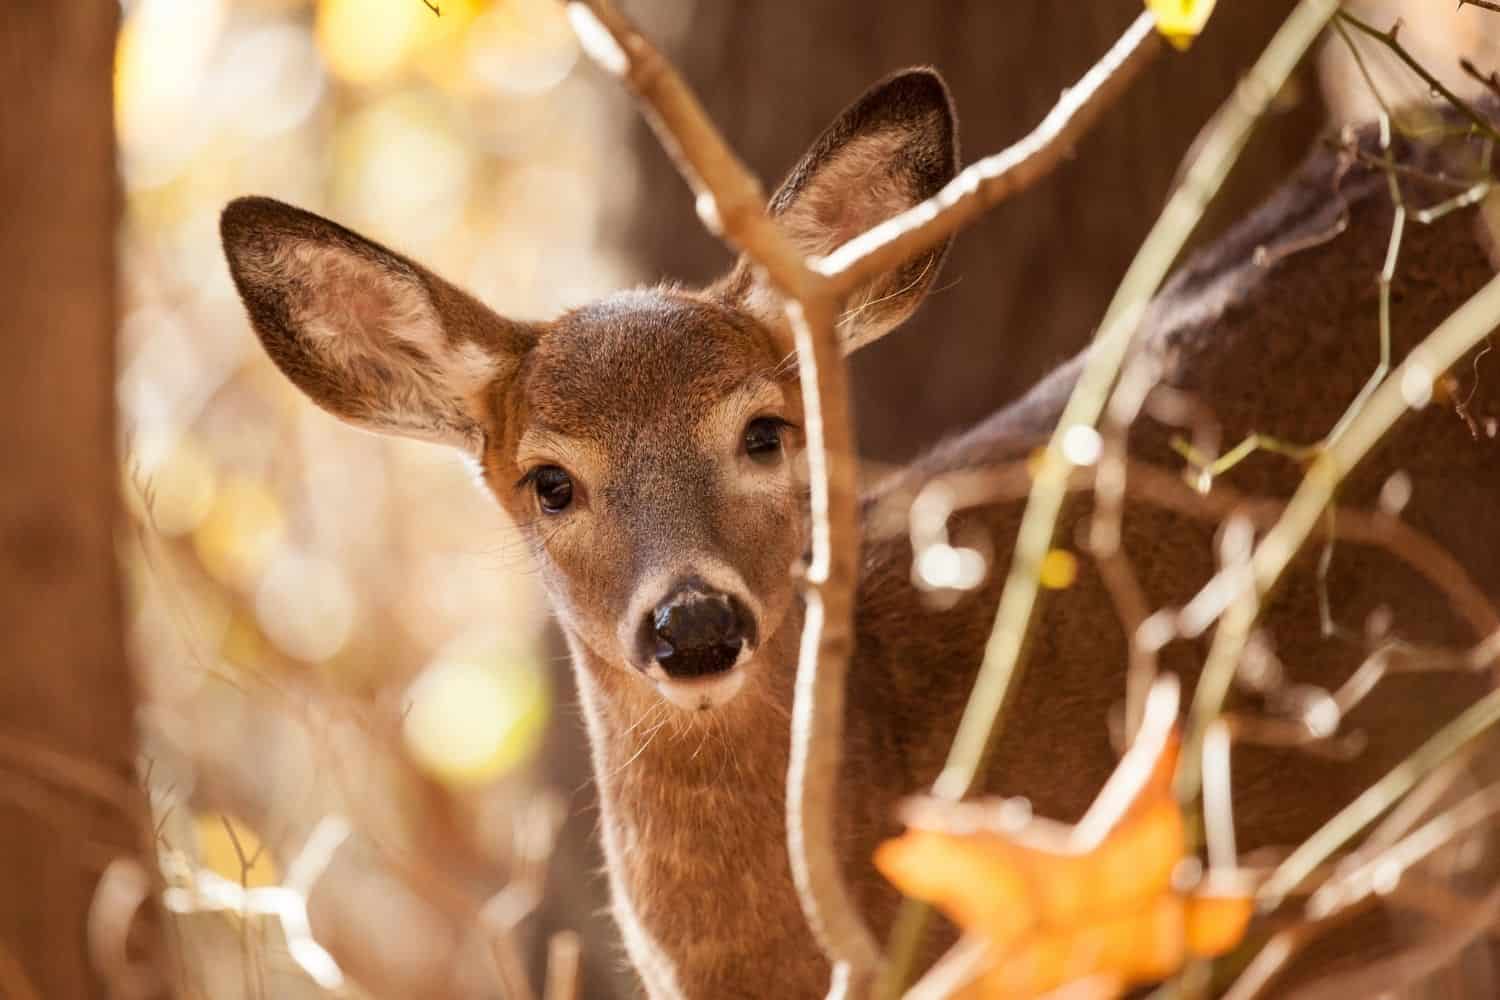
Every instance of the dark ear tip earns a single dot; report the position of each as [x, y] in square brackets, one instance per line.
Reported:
[921, 83]
[243, 216]
[917, 94]
[246, 217]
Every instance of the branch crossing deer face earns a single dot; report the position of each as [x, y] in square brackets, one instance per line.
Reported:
[645, 444]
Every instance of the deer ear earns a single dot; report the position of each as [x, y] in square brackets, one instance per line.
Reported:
[373, 338]
[891, 149]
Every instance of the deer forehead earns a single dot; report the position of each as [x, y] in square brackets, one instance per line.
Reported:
[644, 369]
[663, 446]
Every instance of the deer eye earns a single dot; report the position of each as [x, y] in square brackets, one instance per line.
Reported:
[763, 439]
[554, 488]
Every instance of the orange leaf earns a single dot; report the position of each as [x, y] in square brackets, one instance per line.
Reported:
[1217, 923]
[970, 879]
[1090, 905]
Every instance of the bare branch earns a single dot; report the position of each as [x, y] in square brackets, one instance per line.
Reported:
[1379, 797]
[991, 180]
[1389, 40]
[732, 203]
[1392, 975]
[1230, 130]
[963, 963]
[1473, 321]
[1438, 832]
[730, 200]
[1278, 951]
[1482, 4]
[1160, 488]
[1490, 81]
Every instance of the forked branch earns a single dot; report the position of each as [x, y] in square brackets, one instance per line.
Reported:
[732, 204]
[1226, 137]
[1408, 386]
[989, 181]
[1389, 40]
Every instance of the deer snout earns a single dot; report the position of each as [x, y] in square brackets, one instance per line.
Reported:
[697, 632]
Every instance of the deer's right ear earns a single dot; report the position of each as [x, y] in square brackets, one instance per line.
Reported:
[373, 338]
[893, 148]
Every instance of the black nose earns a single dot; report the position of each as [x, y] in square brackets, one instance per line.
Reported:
[697, 632]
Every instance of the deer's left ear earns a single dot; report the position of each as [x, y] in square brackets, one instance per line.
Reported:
[891, 149]
[372, 337]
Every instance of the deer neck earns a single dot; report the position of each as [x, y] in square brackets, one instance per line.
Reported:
[693, 817]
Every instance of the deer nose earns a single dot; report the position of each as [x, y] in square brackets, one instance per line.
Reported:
[697, 633]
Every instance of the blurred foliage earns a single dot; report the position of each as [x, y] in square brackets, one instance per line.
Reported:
[314, 609]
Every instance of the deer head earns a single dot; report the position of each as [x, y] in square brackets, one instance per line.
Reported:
[644, 443]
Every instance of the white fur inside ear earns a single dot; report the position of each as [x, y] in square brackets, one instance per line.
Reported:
[855, 189]
[374, 329]
[350, 308]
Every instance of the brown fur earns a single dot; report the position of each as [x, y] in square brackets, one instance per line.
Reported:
[692, 803]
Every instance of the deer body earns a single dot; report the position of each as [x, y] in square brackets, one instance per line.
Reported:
[645, 445]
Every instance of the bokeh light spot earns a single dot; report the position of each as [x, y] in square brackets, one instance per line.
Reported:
[242, 531]
[472, 719]
[1059, 569]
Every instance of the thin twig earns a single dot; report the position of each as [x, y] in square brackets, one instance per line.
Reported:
[1227, 137]
[991, 180]
[1149, 484]
[1490, 82]
[1274, 955]
[1470, 324]
[963, 963]
[1389, 40]
[1482, 4]
[732, 203]
[1390, 976]
[1379, 797]
[1436, 833]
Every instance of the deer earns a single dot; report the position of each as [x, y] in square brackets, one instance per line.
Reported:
[646, 447]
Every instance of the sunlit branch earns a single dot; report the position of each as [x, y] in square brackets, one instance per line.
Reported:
[1470, 324]
[1379, 797]
[732, 203]
[1159, 488]
[991, 180]
[1226, 138]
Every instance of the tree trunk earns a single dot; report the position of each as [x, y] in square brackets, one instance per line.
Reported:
[1023, 289]
[70, 804]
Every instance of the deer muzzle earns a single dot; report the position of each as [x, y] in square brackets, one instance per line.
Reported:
[697, 632]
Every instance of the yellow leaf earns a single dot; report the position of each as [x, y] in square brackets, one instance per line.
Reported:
[1180, 21]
